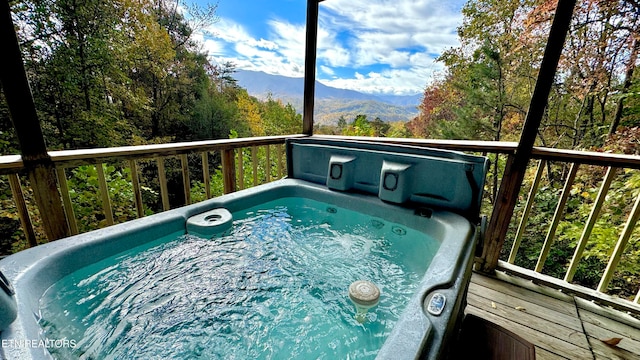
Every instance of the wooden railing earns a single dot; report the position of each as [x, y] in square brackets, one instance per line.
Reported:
[610, 165]
[234, 151]
[232, 162]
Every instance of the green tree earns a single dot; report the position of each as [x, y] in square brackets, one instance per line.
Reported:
[280, 119]
[359, 127]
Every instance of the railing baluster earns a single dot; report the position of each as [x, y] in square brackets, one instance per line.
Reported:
[620, 245]
[205, 174]
[493, 243]
[267, 167]
[186, 182]
[241, 168]
[593, 216]
[279, 152]
[23, 212]
[254, 162]
[162, 179]
[137, 194]
[557, 216]
[66, 201]
[229, 170]
[104, 193]
[527, 211]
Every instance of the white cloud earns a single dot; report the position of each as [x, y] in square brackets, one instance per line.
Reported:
[387, 47]
[282, 53]
[290, 39]
[404, 37]
[392, 81]
[213, 47]
[327, 70]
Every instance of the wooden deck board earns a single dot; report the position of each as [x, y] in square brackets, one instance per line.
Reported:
[562, 304]
[541, 325]
[547, 342]
[558, 325]
[597, 332]
[529, 308]
[542, 354]
[622, 330]
[604, 351]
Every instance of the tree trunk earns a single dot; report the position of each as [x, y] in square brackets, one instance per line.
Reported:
[155, 116]
[80, 37]
[631, 66]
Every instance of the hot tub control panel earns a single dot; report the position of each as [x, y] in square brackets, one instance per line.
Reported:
[436, 304]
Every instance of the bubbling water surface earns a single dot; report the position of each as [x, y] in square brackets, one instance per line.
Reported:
[273, 286]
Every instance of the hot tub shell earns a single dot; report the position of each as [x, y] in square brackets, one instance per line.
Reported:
[410, 199]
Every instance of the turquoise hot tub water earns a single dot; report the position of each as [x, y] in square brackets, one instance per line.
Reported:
[271, 287]
[276, 283]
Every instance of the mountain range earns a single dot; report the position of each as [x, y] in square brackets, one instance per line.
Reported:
[330, 102]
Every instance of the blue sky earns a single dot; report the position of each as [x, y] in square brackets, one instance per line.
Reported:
[372, 46]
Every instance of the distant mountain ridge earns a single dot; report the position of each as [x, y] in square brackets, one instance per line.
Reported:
[331, 103]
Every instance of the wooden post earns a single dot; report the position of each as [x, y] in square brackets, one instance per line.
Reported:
[40, 168]
[186, 182]
[557, 216]
[620, 245]
[162, 179]
[66, 199]
[205, 174]
[104, 193]
[23, 213]
[527, 211]
[135, 183]
[229, 170]
[517, 165]
[267, 166]
[593, 216]
[241, 168]
[310, 66]
[279, 156]
[254, 163]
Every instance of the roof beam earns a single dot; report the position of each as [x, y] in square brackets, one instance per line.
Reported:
[310, 66]
[517, 165]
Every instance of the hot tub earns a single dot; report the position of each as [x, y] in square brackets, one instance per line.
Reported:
[265, 272]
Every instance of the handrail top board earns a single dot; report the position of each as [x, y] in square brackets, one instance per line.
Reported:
[502, 147]
[67, 158]
[587, 157]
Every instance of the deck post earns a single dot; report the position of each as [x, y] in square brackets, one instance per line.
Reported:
[229, 170]
[515, 170]
[310, 66]
[40, 168]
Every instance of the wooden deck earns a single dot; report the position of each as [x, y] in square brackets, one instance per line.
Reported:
[560, 326]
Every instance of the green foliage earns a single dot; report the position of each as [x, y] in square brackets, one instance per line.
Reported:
[84, 191]
[279, 119]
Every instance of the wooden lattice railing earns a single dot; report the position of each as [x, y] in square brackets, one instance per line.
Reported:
[231, 153]
[235, 171]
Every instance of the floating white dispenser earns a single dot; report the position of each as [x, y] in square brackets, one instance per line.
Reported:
[210, 223]
[364, 295]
